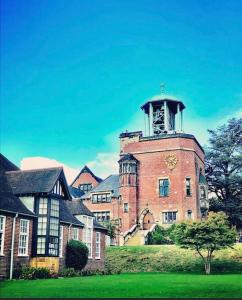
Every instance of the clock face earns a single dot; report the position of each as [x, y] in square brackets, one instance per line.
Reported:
[171, 161]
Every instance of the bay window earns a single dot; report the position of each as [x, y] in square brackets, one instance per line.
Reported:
[87, 232]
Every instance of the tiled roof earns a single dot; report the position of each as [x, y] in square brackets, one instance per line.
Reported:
[66, 216]
[75, 192]
[6, 165]
[110, 184]
[85, 169]
[9, 202]
[33, 181]
[128, 157]
[76, 207]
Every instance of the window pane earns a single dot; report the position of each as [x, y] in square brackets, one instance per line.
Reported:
[41, 245]
[54, 226]
[42, 225]
[43, 206]
[54, 208]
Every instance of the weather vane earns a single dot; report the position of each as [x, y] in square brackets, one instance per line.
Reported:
[162, 88]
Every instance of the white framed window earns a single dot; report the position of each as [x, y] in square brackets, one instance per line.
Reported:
[98, 245]
[88, 233]
[54, 208]
[23, 237]
[61, 241]
[169, 217]
[75, 233]
[2, 233]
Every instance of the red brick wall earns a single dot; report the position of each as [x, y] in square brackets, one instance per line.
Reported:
[85, 178]
[17, 260]
[93, 263]
[151, 155]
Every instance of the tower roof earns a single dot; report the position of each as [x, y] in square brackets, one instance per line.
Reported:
[173, 101]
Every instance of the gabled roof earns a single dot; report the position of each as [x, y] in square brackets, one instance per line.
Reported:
[9, 202]
[6, 165]
[75, 192]
[85, 169]
[128, 157]
[66, 216]
[36, 181]
[76, 207]
[110, 184]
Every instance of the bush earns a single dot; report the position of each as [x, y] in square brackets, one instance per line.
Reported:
[34, 273]
[161, 236]
[76, 255]
[69, 272]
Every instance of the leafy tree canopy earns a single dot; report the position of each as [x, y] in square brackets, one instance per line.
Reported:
[205, 236]
[223, 169]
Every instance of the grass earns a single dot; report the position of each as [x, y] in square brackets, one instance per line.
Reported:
[142, 285]
[170, 258]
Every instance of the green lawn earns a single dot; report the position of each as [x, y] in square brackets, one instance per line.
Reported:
[149, 285]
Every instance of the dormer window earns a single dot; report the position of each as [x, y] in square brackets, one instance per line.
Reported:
[85, 187]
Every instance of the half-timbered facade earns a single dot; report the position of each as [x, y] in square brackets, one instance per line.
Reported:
[36, 222]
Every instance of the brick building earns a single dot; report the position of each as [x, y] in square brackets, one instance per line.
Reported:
[38, 216]
[161, 176]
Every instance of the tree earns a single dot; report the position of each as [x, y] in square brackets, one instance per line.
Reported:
[205, 236]
[223, 168]
[76, 255]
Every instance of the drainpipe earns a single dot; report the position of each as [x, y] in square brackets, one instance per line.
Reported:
[69, 232]
[12, 247]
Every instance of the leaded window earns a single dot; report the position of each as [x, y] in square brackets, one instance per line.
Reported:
[43, 202]
[54, 208]
[53, 245]
[23, 237]
[164, 187]
[54, 227]
[42, 226]
[41, 245]
[2, 233]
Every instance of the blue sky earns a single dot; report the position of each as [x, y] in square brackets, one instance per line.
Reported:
[75, 73]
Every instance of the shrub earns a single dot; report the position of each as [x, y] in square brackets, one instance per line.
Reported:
[76, 255]
[69, 272]
[161, 236]
[34, 273]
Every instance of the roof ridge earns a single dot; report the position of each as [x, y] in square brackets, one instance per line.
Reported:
[32, 170]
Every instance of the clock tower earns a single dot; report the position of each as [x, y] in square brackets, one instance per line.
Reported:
[169, 165]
